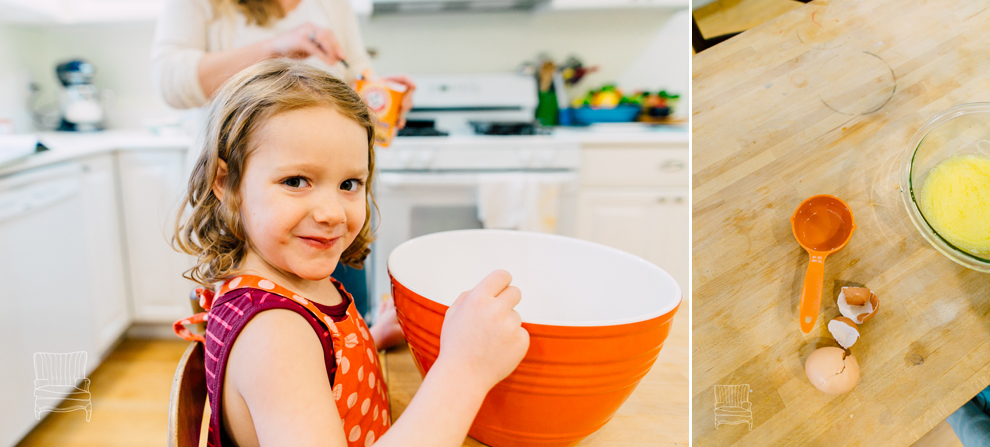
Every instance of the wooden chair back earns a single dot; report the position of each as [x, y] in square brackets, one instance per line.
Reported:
[188, 401]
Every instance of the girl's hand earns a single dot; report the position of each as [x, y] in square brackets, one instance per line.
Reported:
[386, 332]
[407, 99]
[308, 40]
[481, 332]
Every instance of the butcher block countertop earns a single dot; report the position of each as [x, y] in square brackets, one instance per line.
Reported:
[656, 413]
[824, 100]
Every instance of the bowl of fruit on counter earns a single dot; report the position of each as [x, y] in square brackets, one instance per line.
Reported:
[609, 104]
[658, 106]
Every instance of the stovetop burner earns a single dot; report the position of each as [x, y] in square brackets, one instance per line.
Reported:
[506, 128]
[421, 128]
[427, 128]
[421, 132]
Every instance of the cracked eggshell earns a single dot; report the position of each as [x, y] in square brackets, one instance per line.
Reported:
[832, 371]
[844, 331]
[856, 296]
[858, 304]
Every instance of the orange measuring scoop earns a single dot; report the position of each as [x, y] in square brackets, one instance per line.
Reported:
[822, 224]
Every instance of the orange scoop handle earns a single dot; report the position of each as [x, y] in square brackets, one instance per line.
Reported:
[811, 294]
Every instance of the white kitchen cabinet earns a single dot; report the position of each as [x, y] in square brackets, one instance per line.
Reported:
[634, 197]
[152, 184]
[48, 302]
[104, 250]
[649, 223]
[639, 165]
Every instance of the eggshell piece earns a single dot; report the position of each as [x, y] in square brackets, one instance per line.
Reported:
[844, 331]
[875, 303]
[832, 371]
[858, 313]
[856, 296]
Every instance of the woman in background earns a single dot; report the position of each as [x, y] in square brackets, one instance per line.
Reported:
[199, 44]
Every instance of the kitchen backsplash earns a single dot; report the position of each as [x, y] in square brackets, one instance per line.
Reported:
[642, 48]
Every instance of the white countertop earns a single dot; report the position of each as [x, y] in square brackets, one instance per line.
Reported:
[70, 145]
[64, 146]
[625, 133]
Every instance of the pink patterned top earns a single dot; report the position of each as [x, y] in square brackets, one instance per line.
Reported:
[228, 316]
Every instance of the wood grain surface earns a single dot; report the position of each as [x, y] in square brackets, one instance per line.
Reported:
[656, 413]
[824, 99]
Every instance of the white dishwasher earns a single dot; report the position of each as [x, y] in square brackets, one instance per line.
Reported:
[43, 282]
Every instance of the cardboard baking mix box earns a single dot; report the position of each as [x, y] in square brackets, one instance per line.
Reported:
[384, 98]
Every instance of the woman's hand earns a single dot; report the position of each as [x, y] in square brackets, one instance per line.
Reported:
[407, 99]
[482, 334]
[308, 40]
[386, 332]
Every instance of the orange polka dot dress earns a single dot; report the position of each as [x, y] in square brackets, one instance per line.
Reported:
[359, 392]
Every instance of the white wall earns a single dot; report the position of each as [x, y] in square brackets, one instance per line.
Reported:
[15, 45]
[500, 42]
[626, 44]
[120, 52]
[665, 61]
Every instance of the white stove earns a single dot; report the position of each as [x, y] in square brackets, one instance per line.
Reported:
[463, 179]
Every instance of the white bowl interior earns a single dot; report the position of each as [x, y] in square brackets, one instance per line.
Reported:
[564, 281]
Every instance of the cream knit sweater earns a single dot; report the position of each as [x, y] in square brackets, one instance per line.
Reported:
[188, 29]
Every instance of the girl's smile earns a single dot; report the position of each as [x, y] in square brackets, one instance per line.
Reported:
[319, 242]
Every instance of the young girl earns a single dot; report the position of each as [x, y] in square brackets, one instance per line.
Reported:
[280, 193]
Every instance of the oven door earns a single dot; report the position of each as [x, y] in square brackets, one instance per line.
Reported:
[412, 204]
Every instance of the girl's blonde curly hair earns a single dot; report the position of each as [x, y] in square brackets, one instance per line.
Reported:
[212, 230]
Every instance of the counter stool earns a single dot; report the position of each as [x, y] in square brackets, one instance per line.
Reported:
[188, 399]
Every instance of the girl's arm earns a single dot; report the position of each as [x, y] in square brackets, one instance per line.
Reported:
[276, 391]
[481, 342]
[276, 367]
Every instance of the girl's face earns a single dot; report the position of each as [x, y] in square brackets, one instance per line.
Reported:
[302, 193]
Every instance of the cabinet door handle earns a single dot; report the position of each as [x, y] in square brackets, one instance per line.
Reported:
[673, 165]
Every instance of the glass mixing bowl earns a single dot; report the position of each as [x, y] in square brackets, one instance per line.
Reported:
[964, 129]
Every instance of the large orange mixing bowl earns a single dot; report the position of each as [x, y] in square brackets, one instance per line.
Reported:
[597, 318]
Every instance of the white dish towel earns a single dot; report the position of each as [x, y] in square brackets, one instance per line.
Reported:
[528, 201]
